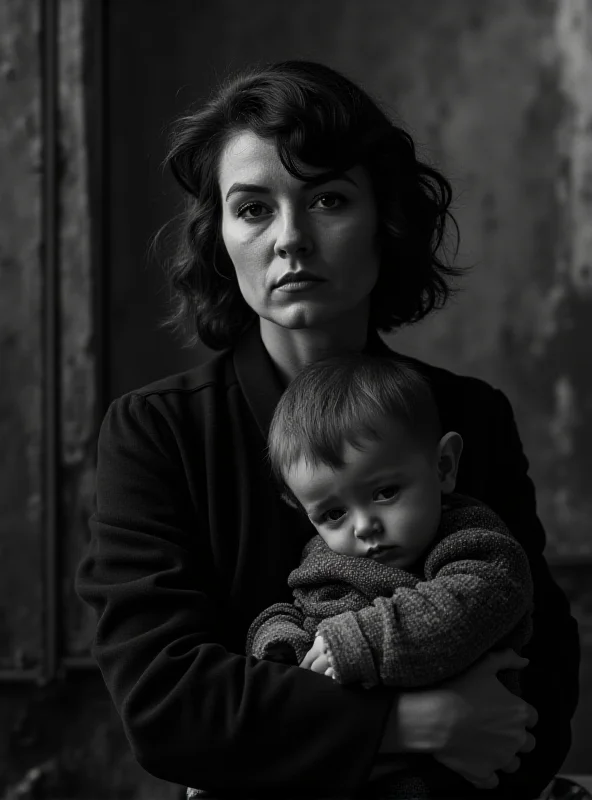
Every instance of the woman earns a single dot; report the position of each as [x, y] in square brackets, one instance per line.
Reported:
[310, 224]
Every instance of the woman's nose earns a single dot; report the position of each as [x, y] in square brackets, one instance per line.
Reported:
[292, 237]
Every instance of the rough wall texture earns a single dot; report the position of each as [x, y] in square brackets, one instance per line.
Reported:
[495, 93]
[505, 101]
[65, 742]
[77, 358]
[20, 336]
[61, 740]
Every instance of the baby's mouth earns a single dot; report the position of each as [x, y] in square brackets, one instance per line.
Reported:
[379, 552]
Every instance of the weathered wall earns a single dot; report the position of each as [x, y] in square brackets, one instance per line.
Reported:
[20, 340]
[77, 412]
[495, 93]
[504, 101]
[62, 739]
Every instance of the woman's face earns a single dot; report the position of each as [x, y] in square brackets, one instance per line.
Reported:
[276, 227]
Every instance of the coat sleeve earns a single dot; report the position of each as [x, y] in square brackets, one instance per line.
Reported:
[194, 713]
[479, 589]
[278, 634]
[550, 682]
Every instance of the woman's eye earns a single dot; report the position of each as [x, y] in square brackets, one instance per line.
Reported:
[251, 211]
[387, 493]
[329, 201]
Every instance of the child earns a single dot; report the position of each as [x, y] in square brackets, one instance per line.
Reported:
[406, 584]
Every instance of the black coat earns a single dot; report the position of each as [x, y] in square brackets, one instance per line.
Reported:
[190, 541]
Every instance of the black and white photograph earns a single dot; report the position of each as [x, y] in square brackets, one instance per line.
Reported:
[295, 400]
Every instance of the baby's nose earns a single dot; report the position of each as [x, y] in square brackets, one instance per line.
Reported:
[366, 525]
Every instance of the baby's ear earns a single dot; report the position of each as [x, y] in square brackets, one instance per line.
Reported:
[449, 452]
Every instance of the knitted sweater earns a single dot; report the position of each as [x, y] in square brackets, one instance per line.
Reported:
[384, 625]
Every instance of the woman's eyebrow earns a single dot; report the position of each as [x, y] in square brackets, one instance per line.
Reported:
[246, 187]
[308, 184]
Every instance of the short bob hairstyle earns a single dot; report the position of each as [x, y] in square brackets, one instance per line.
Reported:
[316, 117]
[345, 400]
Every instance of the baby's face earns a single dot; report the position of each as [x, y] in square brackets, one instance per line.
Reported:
[385, 503]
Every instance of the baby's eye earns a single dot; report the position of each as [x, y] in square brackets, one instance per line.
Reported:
[386, 493]
[333, 515]
[251, 211]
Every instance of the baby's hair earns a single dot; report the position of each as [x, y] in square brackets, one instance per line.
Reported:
[345, 399]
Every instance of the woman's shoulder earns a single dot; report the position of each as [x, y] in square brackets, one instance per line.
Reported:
[468, 391]
[182, 421]
[447, 383]
[470, 405]
[213, 372]
[182, 398]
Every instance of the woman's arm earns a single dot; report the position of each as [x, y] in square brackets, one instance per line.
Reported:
[479, 590]
[195, 713]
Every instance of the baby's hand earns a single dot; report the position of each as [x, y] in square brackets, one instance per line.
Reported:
[317, 658]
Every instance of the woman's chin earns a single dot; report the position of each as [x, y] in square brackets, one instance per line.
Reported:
[300, 317]
[312, 315]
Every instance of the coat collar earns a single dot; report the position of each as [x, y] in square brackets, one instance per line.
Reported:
[259, 380]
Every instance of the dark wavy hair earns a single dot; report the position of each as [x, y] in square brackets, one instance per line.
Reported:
[317, 118]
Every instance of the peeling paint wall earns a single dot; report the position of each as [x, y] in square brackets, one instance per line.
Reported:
[77, 357]
[62, 739]
[20, 336]
[506, 104]
[65, 742]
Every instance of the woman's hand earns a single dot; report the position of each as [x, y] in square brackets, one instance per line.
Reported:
[489, 722]
[317, 658]
[471, 724]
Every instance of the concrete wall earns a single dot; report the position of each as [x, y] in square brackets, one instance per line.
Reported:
[497, 94]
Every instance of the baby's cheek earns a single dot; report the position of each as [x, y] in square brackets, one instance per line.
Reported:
[340, 544]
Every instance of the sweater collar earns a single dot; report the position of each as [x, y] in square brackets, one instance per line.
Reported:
[259, 379]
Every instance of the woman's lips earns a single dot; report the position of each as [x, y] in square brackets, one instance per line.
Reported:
[298, 280]
[299, 286]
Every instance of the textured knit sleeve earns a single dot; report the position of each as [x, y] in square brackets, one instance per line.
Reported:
[196, 713]
[278, 634]
[478, 589]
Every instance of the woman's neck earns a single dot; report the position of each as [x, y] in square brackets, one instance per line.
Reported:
[292, 350]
